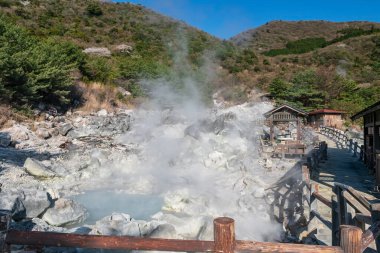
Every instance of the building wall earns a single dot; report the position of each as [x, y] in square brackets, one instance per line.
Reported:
[333, 120]
[330, 120]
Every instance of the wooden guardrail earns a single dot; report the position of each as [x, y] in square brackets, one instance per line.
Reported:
[340, 137]
[350, 209]
[224, 241]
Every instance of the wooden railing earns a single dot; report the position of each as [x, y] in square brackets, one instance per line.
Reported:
[224, 241]
[340, 137]
[351, 211]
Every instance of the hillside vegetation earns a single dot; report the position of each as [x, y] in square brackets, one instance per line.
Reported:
[311, 64]
[154, 43]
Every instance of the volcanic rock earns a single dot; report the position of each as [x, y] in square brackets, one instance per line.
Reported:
[12, 202]
[43, 133]
[37, 169]
[35, 202]
[65, 212]
[64, 128]
[122, 225]
[102, 113]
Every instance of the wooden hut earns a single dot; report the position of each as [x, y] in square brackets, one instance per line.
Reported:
[285, 122]
[326, 117]
[371, 119]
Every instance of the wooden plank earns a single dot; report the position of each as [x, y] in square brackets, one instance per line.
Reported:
[245, 246]
[35, 238]
[356, 194]
[224, 235]
[351, 239]
[370, 235]
[355, 203]
[363, 218]
[322, 199]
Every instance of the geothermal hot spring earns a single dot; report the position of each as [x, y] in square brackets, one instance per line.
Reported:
[187, 164]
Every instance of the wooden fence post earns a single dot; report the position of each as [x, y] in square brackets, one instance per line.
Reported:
[361, 157]
[334, 221]
[350, 239]
[342, 205]
[355, 148]
[5, 220]
[375, 216]
[224, 235]
[350, 145]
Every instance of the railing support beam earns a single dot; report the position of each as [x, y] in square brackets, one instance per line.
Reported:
[351, 239]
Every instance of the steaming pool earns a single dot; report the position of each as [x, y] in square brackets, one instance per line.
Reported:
[102, 203]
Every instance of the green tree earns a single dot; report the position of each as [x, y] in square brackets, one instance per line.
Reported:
[305, 91]
[32, 70]
[279, 89]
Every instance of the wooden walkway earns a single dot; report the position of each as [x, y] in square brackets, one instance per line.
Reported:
[341, 167]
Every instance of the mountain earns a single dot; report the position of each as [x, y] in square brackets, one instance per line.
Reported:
[125, 43]
[312, 64]
[276, 34]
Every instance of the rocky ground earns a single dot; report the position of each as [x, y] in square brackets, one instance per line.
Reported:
[203, 164]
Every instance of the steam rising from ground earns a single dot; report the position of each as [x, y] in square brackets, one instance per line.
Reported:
[202, 160]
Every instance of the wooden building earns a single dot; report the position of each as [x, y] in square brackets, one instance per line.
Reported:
[371, 119]
[326, 117]
[285, 122]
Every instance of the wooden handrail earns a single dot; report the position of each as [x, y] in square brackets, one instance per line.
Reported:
[322, 199]
[47, 239]
[370, 235]
[133, 243]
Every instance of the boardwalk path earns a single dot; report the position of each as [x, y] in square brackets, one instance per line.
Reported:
[341, 167]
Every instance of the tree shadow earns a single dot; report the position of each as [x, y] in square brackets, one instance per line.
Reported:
[17, 157]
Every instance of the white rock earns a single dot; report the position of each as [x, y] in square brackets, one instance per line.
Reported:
[43, 133]
[100, 51]
[36, 168]
[65, 212]
[102, 113]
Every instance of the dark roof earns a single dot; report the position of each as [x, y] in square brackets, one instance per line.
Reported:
[369, 109]
[299, 111]
[326, 111]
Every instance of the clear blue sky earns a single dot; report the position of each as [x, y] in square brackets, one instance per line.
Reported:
[226, 18]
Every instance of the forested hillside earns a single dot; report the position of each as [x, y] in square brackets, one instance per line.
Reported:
[48, 47]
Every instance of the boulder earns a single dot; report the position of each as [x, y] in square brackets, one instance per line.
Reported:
[102, 113]
[65, 212]
[43, 133]
[64, 128]
[12, 202]
[124, 48]
[54, 132]
[122, 225]
[19, 133]
[35, 202]
[99, 51]
[37, 169]
[5, 139]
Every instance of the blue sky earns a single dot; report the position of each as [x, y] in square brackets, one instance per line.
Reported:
[226, 18]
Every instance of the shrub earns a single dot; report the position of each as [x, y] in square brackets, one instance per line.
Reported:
[94, 9]
[32, 70]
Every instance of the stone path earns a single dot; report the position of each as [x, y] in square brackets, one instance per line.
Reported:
[341, 166]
